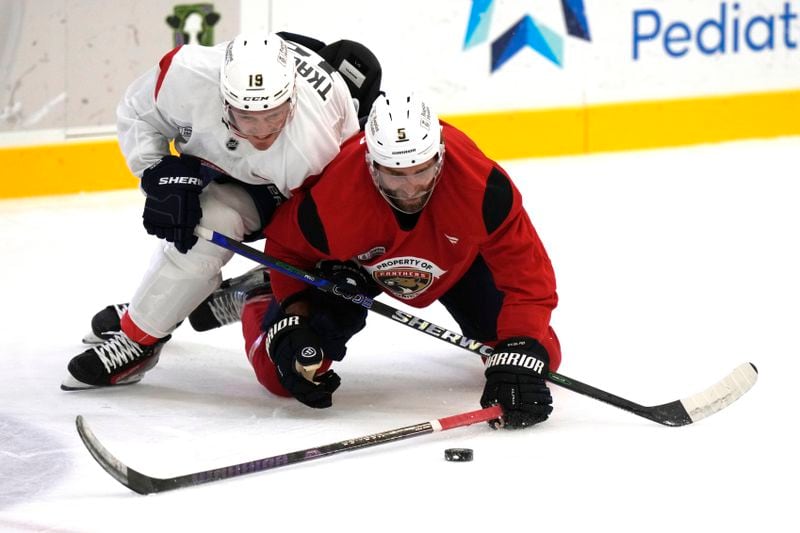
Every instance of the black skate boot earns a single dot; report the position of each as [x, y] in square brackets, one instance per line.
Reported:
[117, 361]
[105, 324]
[224, 305]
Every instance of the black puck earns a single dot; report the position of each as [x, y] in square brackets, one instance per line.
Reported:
[458, 455]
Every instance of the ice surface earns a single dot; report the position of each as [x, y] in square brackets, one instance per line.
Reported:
[674, 266]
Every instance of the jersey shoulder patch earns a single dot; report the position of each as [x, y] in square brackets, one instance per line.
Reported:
[497, 200]
[311, 225]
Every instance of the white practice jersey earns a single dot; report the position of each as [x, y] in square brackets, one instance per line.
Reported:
[180, 100]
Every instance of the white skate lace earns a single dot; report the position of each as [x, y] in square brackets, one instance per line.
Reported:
[226, 309]
[118, 351]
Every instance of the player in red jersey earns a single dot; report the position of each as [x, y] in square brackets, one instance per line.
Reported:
[414, 209]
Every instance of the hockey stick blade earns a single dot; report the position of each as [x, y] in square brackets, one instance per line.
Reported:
[679, 412]
[722, 394]
[144, 484]
[127, 476]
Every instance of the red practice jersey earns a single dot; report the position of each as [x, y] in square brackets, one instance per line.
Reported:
[474, 209]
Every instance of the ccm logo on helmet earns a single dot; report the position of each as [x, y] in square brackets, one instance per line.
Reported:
[180, 179]
[255, 98]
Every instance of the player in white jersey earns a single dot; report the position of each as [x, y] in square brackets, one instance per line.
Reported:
[251, 119]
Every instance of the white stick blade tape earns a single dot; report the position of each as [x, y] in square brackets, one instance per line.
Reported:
[99, 452]
[722, 394]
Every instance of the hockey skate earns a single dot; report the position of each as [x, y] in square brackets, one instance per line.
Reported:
[117, 361]
[224, 305]
[105, 324]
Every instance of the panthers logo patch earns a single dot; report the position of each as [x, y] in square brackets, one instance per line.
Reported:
[405, 277]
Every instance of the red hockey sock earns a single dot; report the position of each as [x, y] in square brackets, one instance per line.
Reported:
[134, 333]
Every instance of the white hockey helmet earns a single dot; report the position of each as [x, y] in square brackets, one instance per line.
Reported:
[405, 151]
[402, 131]
[258, 72]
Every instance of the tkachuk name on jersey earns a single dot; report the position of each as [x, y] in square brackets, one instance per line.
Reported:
[316, 76]
[435, 331]
[516, 359]
[187, 180]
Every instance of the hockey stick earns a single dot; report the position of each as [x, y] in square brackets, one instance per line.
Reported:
[676, 413]
[144, 484]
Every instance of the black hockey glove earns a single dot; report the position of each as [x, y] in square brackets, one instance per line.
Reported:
[333, 318]
[296, 353]
[515, 381]
[339, 314]
[349, 275]
[172, 209]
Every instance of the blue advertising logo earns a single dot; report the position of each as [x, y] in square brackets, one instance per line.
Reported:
[525, 32]
[727, 30]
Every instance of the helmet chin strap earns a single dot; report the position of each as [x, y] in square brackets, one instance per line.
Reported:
[393, 199]
[393, 202]
[229, 123]
[226, 117]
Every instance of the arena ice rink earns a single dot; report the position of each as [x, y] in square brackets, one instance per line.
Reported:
[674, 266]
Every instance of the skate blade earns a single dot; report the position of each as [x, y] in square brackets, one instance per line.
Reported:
[71, 384]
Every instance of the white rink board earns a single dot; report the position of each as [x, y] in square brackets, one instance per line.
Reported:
[752, 48]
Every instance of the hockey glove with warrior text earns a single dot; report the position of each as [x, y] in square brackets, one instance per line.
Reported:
[172, 209]
[296, 353]
[515, 381]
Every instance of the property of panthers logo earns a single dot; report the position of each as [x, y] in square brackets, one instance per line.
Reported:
[404, 283]
[405, 277]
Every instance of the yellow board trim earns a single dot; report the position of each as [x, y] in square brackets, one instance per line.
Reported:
[63, 168]
[99, 166]
[633, 125]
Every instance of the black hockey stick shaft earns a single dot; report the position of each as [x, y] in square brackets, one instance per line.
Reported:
[674, 413]
[144, 484]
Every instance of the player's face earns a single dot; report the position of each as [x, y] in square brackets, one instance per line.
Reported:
[410, 188]
[260, 128]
